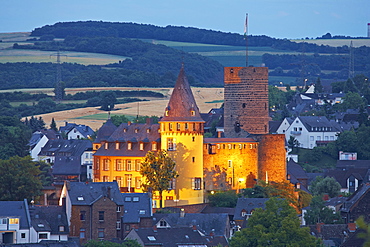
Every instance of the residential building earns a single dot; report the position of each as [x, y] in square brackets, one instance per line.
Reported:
[39, 139]
[15, 223]
[358, 204]
[94, 210]
[244, 209]
[76, 131]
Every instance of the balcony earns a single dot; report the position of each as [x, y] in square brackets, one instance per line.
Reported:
[296, 133]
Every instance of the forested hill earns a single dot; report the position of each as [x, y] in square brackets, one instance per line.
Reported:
[172, 33]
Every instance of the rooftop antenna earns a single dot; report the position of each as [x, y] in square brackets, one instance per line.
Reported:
[58, 85]
[246, 39]
[137, 115]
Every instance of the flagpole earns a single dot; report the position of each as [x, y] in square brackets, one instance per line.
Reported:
[246, 39]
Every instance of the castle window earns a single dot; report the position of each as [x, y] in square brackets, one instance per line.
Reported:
[141, 146]
[193, 139]
[229, 146]
[117, 145]
[223, 146]
[106, 145]
[147, 130]
[192, 113]
[186, 126]
[105, 178]
[218, 146]
[118, 165]
[171, 185]
[154, 146]
[231, 71]
[106, 164]
[128, 179]
[194, 129]
[178, 126]
[244, 104]
[193, 159]
[196, 183]
[138, 165]
[138, 182]
[250, 146]
[136, 130]
[129, 146]
[166, 113]
[230, 163]
[119, 182]
[171, 144]
[124, 130]
[128, 166]
[211, 149]
[240, 146]
[170, 126]
[97, 164]
[230, 180]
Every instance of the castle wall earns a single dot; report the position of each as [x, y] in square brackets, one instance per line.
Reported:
[271, 157]
[230, 165]
[246, 101]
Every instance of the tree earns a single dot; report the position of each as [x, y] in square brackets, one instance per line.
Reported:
[104, 243]
[319, 213]
[328, 185]
[108, 100]
[19, 179]
[277, 225]
[53, 125]
[293, 143]
[365, 234]
[158, 170]
[223, 199]
[318, 86]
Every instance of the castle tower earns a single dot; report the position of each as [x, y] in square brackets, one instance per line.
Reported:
[181, 130]
[246, 101]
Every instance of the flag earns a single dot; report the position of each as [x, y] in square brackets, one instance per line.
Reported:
[245, 26]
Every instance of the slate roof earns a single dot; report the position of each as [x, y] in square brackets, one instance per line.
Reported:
[335, 201]
[228, 140]
[341, 175]
[83, 129]
[87, 193]
[355, 197]
[274, 125]
[336, 232]
[205, 223]
[134, 133]
[182, 102]
[136, 206]
[169, 237]
[67, 165]
[311, 122]
[17, 209]
[296, 170]
[37, 135]
[49, 218]
[105, 131]
[217, 210]
[248, 204]
[66, 147]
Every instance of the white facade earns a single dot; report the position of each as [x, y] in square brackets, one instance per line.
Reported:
[87, 159]
[308, 138]
[74, 134]
[37, 148]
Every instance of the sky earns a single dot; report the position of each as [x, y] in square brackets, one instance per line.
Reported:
[275, 18]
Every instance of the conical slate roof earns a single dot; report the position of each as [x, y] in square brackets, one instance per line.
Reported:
[182, 105]
[105, 131]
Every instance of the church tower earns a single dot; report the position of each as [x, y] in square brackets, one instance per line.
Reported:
[246, 101]
[181, 130]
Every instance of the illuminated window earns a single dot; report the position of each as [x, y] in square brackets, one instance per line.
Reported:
[192, 113]
[138, 182]
[105, 178]
[129, 146]
[230, 180]
[218, 146]
[138, 165]
[61, 228]
[141, 146]
[136, 130]
[106, 164]
[240, 146]
[118, 165]
[154, 146]
[178, 126]
[229, 146]
[119, 181]
[128, 165]
[106, 145]
[250, 146]
[118, 209]
[128, 180]
[170, 126]
[197, 183]
[117, 145]
[171, 144]
[166, 113]
[230, 163]
[186, 126]
[14, 221]
[147, 130]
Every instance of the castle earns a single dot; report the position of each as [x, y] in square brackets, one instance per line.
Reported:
[244, 154]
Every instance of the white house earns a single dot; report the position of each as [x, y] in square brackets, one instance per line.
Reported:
[311, 131]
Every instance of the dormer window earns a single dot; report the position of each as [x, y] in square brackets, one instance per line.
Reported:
[170, 126]
[147, 130]
[106, 145]
[166, 113]
[124, 130]
[154, 146]
[192, 113]
[178, 126]
[136, 130]
[129, 146]
[117, 145]
[141, 146]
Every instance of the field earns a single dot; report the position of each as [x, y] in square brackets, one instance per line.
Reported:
[337, 42]
[206, 98]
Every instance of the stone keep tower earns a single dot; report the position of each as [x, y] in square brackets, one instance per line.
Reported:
[181, 130]
[246, 101]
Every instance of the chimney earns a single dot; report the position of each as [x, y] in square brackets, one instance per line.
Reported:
[318, 227]
[194, 228]
[212, 233]
[182, 213]
[155, 228]
[218, 134]
[129, 123]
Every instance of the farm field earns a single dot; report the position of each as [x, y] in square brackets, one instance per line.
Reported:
[336, 42]
[206, 98]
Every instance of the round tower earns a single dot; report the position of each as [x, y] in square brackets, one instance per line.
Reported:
[181, 130]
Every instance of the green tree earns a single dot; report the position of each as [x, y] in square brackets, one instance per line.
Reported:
[14, 137]
[53, 125]
[328, 185]
[223, 199]
[118, 119]
[126, 243]
[366, 231]
[108, 100]
[293, 143]
[277, 225]
[318, 86]
[158, 169]
[19, 179]
[319, 213]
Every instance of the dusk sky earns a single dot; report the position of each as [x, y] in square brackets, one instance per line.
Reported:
[275, 18]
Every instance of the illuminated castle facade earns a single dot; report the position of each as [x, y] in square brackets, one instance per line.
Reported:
[235, 161]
